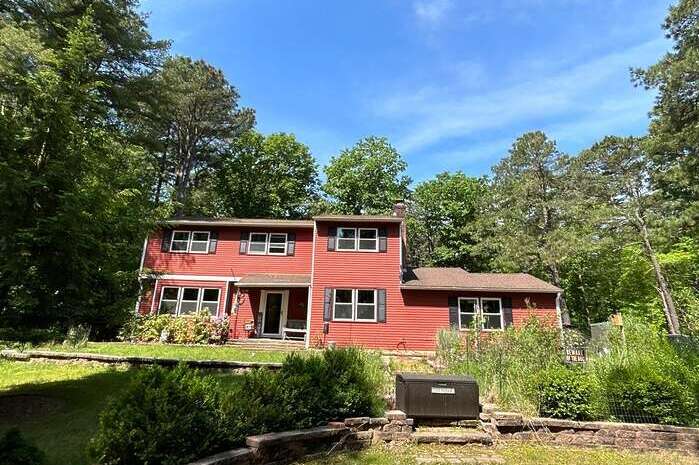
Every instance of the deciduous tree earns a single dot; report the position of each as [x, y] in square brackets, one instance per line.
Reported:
[367, 178]
[442, 220]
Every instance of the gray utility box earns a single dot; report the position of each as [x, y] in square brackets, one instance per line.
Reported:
[435, 396]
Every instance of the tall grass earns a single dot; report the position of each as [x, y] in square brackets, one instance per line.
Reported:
[506, 364]
[641, 376]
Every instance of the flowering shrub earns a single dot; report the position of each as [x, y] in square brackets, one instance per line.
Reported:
[199, 328]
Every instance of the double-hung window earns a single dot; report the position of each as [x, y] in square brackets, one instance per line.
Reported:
[468, 312]
[189, 300]
[190, 241]
[354, 305]
[267, 244]
[362, 239]
[484, 313]
[491, 309]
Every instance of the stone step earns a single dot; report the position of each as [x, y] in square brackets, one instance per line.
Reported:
[459, 459]
[453, 437]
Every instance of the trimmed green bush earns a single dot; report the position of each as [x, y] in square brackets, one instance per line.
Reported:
[16, 450]
[306, 392]
[565, 393]
[174, 417]
[163, 417]
[636, 393]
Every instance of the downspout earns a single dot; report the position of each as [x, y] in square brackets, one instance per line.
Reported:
[155, 291]
[307, 342]
[558, 311]
[140, 271]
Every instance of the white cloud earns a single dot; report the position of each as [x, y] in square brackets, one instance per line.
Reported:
[432, 11]
[583, 95]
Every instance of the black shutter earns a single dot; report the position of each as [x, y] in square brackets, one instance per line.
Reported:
[213, 241]
[507, 311]
[244, 236]
[290, 243]
[381, 307]
[454, 312]
[383, 240]
[332, 238]
[327, 304]
[167, 238]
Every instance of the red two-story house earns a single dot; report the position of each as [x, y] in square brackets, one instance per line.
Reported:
[333, 279]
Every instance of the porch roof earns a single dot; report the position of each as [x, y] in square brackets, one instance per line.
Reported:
[458, 279]
[274, 280]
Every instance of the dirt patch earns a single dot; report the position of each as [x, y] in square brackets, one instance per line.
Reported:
[21, 407]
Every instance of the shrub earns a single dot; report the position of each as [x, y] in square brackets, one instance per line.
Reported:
[306, 392]
[637, 393]
[644, 376]
[163, 417]
[16, 450]
[200, 328]
[565, 393]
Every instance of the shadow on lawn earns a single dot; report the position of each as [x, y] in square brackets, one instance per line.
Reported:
[60, 417]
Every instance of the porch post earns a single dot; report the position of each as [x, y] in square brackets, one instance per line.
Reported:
[307, 341]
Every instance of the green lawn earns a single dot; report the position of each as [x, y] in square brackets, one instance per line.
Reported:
[182, 352]
[507, 453]
[57, 404]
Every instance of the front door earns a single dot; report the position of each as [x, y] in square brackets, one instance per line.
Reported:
[273, 305]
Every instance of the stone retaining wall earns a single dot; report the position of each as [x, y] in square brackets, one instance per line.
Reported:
[508, 425]
[359, 433]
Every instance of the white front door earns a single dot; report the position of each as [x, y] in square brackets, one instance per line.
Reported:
[273, 307]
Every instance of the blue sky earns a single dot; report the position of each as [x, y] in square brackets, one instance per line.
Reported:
[450, 83]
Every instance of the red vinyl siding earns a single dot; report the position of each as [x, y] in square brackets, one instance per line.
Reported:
[355, 270]
[227, 261]
[413, 317]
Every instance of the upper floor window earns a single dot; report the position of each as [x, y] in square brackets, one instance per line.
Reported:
[190, 241]
[361, 239]
[268, 243]
[189, 300]
[485, 312]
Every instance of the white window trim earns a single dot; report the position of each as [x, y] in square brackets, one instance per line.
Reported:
[172, 241]
[376, 306]
[376, 239]
[475, 314]
[343, 303]
[268, 236]
[181, 299]
[177, 300]
[208, 241]
[502, 320]
[479, 313]
[356, 240]
[217, 301]
[190, 236]
[354, 303]
[269, 243]
[264, 252]
[180, 293]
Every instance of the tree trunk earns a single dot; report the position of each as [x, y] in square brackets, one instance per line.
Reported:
[556, 278]
[673, 324]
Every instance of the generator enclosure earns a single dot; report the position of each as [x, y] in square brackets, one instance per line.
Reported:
[435, 396]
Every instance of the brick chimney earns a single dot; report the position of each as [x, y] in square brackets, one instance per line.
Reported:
[399, 209]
